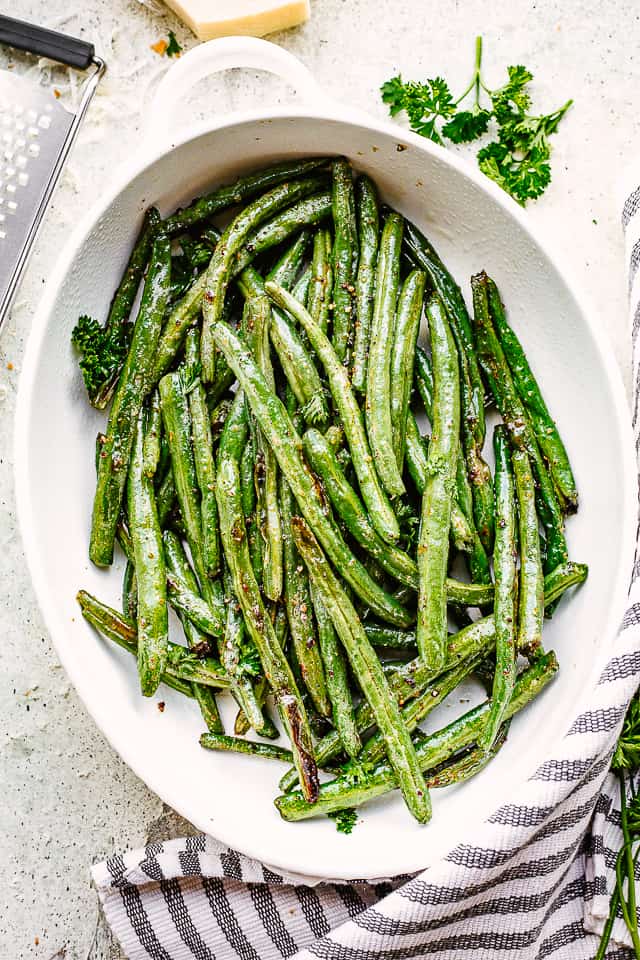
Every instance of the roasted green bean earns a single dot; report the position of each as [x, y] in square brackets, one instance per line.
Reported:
[146, 540]
[345, 258]
[378, 396]
[368, 671]
[506, 588]
[136, 381]
[368, 229]
[405, 336]
[433, 544]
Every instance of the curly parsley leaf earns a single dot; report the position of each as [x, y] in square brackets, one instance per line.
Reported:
[627, 752]
[102, 352]
[513, 97]
[345, 819]
[393, 94]
[467, 125]
[424, 103]
[525, 178]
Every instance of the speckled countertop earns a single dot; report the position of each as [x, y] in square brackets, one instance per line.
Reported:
[68, 800]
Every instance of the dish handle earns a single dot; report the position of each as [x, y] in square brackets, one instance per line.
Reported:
[215, 56]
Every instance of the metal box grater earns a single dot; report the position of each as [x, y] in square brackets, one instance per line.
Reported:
[36, 134]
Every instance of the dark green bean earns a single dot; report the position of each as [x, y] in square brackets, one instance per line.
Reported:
[180, 572]
[213, 741]
[337, 679]
[378, 396]
[178, 429]
[187, 601]
[134, 384]
[321, 288]
[345, 257]
[368, 229]
[544, 426]
[433, 544]
[249, 499]
[202, 442]
[472, 388]
[130, 592]
[496, 368]
[306, 212]
[531, 593]
[146, 540]
[258, 315]
[506, 589]
[297, 600]
[118, 324]
[405, 337]
[152, 434]
[297, 365]
[468, 766]
[287, 267]
[348, 506]
[368, 671]
[243, 189]
[236, 648]
[464, 534]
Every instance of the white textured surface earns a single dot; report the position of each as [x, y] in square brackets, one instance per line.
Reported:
[68, 799]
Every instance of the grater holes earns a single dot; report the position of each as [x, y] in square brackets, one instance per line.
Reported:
[33, 149]
[44, 122]
[23, 179]
[12, 206]
[32, 132]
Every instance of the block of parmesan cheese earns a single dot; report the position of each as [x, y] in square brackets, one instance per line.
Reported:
[252, 18]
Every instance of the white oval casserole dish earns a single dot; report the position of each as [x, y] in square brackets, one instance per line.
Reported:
[473, 225]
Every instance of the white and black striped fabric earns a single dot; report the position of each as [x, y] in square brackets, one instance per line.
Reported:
[536, 881]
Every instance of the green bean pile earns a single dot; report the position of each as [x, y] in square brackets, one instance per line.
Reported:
[264, 472]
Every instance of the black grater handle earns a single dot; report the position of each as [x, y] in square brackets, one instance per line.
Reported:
[46, 43]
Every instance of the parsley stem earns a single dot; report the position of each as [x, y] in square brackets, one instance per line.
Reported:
[630, 913]
[475, 80]
[477, 66]
[608, 927]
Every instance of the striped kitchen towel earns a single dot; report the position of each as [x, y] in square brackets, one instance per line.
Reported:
[536, 882]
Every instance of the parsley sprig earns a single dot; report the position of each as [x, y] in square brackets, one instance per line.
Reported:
[626, 761]
[518, 159]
